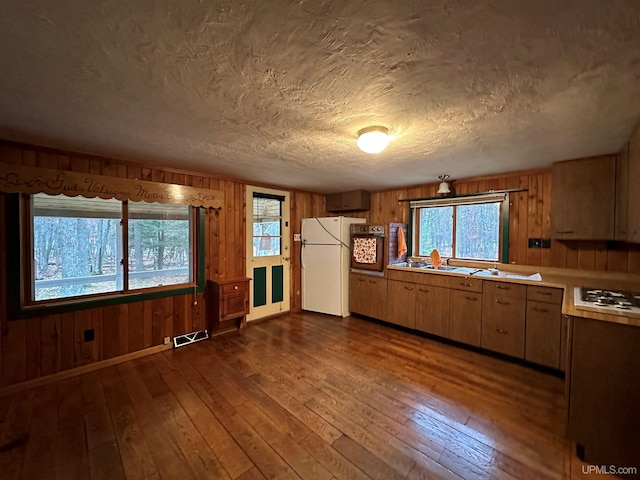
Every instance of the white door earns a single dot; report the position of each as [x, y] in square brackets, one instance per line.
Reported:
[268, 251]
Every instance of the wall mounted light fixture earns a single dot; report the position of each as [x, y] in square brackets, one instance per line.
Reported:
[443, 188]
[373, 139]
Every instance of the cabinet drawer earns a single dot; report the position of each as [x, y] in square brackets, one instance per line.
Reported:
[433, 279]
[467, 284]
[544, 294]
[505, 289]
[235, 287]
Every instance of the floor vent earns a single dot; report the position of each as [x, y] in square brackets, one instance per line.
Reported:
[189, 338]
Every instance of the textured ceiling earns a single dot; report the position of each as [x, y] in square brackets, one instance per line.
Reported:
[275, 91]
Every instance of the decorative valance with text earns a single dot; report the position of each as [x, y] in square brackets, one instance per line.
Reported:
[19, 179]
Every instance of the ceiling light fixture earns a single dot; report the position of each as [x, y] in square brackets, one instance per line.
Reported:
[443, 188]
[373, 139]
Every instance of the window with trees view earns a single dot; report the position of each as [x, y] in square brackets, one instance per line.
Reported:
[466, 231]
[79, 245]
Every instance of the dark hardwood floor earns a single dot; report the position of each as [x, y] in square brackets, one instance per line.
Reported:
[301, 396]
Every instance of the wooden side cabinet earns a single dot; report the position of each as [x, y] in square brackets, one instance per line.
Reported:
[228, 305]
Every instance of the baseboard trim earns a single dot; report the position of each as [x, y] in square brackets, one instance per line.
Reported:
[73, 372]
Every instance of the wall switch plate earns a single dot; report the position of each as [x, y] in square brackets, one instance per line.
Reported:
[297, 237]
[167, 340]
[89, 335]
[546, 243]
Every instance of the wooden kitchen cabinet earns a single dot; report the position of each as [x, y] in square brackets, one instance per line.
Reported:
[544, 337]
[368, 295]
[503, 318]
[432, 310]
[229, 303]
[633, 192]
[583, 199]
[465, 313]
[353, 201]
[402, 303]
[604, 391]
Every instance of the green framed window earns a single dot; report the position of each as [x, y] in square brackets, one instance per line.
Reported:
[81, 252]
[471, 227]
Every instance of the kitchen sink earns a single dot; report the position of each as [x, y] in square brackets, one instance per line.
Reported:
[446, 268]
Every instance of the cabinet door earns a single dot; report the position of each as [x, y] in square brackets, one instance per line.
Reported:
[432, 310]
[233, 305]
[333, 202]
[604, 393]
[633, 192]
[583, 199]
[503, 324]
[543, 334]
[368, 296]
[402, 303]
[465, 310]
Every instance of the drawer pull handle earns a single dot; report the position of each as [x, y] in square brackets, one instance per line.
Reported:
[373, 281]
[501, 331]
[544, 293]
[566, 231]
[541, 310]
[465, 284]
[362, 280]
[472, 298]
[422, 290]
[408, 288]
[502, 287]
[236, 287]
[499, 302]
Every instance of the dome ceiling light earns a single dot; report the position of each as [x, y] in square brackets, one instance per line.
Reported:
[373, 139]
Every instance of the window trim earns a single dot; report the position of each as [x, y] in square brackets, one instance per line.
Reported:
[20, 307]
[472, 199]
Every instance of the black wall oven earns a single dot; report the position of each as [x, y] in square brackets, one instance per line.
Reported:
[367, 248]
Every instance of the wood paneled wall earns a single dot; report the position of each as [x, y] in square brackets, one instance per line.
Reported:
[43, 345]
[530, 214]
[34, 347]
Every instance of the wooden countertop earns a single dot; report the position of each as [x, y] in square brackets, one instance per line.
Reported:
[567, 279]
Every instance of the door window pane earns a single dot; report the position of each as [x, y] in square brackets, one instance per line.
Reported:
[159, 245]
[267, 226]
[76, 246]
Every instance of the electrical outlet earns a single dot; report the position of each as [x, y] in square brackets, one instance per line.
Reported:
[297, 237]
[167, 340]
[535, 242]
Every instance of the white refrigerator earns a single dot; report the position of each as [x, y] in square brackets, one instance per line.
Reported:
[325, 264]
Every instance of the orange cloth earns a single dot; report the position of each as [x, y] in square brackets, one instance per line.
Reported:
[402, 244]
[436, 261]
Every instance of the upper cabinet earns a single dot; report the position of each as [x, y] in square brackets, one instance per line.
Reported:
[583, 199]
[353, 201]
[597, 198]
[633, 190]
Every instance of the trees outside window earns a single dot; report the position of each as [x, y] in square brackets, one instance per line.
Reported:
[469, 231]
[78, 246]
